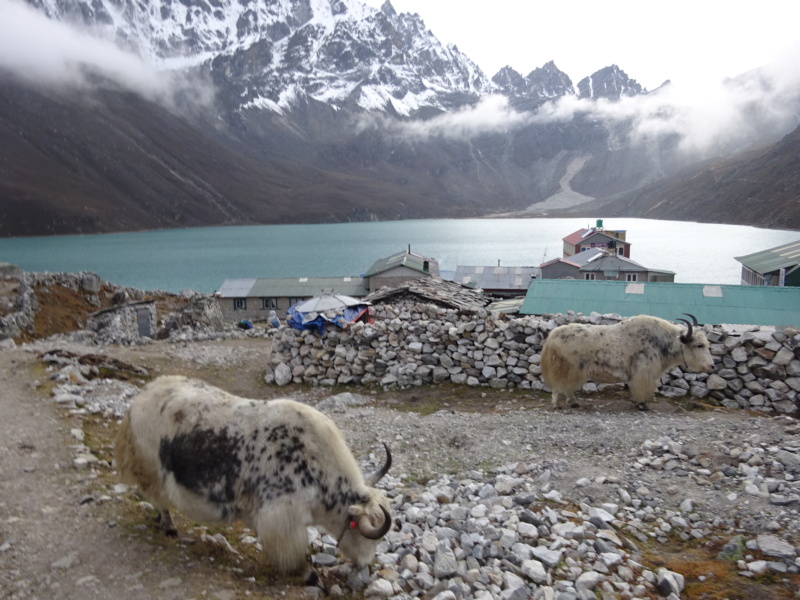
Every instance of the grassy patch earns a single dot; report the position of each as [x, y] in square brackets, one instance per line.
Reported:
[429, 399]
[710, 578]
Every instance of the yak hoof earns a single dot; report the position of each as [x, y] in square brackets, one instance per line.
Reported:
[312, 579]
[642, 406]
[167, 524]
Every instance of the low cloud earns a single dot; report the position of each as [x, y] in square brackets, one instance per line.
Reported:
[491, 115]
[40, 50]
[715, 119]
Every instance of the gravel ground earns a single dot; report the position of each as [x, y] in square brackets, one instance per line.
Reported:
[681, 479]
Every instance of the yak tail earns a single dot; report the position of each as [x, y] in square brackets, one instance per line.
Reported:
[125, 451]
[131, 465]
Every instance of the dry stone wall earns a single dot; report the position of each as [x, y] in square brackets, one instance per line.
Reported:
[417, 344]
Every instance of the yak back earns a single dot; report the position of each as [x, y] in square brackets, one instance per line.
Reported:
[239, 453]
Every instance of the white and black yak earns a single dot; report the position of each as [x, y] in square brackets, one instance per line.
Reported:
[279, 466]
[637, 351]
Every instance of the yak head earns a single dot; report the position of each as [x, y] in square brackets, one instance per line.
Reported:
[368, 520]
[695, 347]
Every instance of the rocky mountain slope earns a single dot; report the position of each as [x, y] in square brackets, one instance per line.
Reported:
[760, 187]
[311, 111]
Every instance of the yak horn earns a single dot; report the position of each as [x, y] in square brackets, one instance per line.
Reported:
[375, 533]
[694, 319]
[688, 336]
[376, 477]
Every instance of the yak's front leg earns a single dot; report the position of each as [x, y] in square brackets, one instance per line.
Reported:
[166, 523]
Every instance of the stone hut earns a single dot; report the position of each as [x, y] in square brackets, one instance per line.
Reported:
[127, 322]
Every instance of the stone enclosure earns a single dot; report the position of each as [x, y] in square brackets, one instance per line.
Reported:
[411, 344]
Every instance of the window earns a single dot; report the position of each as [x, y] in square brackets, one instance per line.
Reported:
[631, 277]
[293, 301]
[240, 304]
[621, 251]
[269, 303]
[589, 276]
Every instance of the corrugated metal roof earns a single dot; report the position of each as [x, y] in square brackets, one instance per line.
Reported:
[297, 287]
[497, 278]
[581, 258]
[613, 263]
[773, 259]
[235, 288]
[404, 258]
[562, 260]
[733, 304]
[583, 235]
[576, 236]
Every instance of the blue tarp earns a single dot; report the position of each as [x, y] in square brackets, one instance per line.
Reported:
[317, 321]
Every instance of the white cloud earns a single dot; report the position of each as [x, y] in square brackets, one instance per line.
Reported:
[44, 51]
[710, 119]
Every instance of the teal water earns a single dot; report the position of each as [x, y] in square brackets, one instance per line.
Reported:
[201, 259]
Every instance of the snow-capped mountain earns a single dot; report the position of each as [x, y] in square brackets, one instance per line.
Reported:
[340, 52]
[323, 110]
[542, 84]
[271, 53]
[611, 83]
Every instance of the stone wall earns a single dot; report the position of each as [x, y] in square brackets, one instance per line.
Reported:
[20, 306]
[415, 344]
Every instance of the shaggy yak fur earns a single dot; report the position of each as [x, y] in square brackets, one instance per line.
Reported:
[637, 351]
[279, 466]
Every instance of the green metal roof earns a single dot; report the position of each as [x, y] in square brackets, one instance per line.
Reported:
[773, 259]
[296, 287]
[733, 304]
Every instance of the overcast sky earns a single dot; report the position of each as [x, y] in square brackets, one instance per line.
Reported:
[681, 40]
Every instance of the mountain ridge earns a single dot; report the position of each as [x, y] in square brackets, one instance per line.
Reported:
[324, 111]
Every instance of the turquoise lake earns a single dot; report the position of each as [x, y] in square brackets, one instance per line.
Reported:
[201, 259]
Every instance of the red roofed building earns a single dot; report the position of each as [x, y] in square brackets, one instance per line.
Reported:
[597, 237]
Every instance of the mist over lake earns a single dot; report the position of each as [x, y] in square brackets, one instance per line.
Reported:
[201, 259]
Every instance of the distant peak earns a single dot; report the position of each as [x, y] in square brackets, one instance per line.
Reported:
[388, 9]
[508, 70]
[611, 83]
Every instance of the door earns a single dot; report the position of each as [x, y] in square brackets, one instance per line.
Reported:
[143, 322]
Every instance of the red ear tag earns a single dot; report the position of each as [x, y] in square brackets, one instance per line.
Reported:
[353, 525]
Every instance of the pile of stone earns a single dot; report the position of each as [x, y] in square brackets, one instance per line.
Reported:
[766, 470]
[513, 534]
[489, 536]
[411, 344]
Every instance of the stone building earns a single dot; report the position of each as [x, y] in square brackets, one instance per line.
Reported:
[126, 322]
